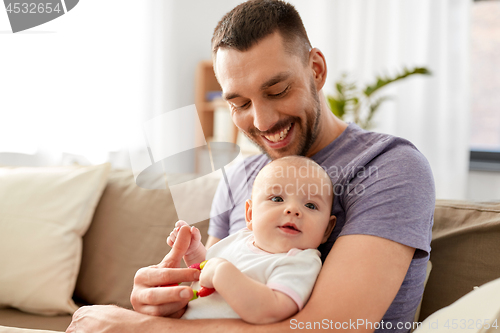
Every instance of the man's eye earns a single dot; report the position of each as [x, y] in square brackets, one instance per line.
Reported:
[310, 205]
[241, 107]
[277, 199]
[279, 94]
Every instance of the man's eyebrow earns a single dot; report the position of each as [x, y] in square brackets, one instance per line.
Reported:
[229, 96]
[269, 83]
[276, 79]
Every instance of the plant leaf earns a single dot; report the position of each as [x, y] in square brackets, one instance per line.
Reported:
[337, 106]
[382, 82]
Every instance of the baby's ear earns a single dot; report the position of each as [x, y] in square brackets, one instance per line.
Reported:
[248, 213]
[329, 228]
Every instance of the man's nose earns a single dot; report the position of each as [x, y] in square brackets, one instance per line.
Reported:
[264, 117]
[293, 210]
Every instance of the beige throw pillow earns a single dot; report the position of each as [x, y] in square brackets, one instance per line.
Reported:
[476, 312]
[44, 213]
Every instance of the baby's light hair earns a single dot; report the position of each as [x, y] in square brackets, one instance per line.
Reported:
[296, 161]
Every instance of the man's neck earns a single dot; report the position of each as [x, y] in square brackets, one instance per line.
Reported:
[330, 128]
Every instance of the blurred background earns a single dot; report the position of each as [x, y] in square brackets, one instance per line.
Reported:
[74, 89]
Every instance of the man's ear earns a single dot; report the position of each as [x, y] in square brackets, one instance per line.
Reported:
[329, 228]
[317, 64]
[248, 213]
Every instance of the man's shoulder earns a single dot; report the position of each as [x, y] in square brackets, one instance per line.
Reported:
[357, 149]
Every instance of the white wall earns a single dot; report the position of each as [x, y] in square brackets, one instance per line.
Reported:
[483, 186]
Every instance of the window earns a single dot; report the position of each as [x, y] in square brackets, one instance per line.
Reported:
[485, 85]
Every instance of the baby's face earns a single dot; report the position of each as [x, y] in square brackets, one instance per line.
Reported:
[290, 209]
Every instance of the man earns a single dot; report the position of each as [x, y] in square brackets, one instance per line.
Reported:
[374, 261]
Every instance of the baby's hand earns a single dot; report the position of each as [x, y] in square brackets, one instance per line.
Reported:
[208, 272]
[196, 251]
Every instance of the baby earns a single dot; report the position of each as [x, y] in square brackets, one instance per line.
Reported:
[266, 272]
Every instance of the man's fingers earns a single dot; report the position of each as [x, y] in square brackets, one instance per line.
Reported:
[173, 234]
[169, 310]
[156, 276]
[165, 295]
[179, 248]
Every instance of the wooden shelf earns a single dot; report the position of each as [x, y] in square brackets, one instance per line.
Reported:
[206, 82]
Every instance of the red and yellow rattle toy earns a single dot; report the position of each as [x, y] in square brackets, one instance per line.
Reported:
[204, 292]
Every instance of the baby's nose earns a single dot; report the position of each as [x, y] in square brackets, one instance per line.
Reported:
[292, 211]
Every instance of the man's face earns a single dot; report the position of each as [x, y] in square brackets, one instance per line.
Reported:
[272, 96]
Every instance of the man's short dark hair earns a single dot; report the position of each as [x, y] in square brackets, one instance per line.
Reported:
[252, 21]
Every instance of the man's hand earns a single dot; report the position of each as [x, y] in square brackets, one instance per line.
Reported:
[148, 295]
[208, 272]
[195, 252]
[105, 319]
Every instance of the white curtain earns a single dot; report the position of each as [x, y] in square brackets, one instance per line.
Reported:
[72, 87]
[78, 88]
[79, 84]
[367, 38]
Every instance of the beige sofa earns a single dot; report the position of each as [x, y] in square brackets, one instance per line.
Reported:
[129, 225]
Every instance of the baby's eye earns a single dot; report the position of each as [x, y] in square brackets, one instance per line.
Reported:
[277, 199]
[310, 205]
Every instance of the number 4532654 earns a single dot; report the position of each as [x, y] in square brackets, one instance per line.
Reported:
[33, 8]
[470, 324]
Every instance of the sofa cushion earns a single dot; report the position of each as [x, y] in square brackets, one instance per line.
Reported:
[128, 232]
[44, 212]
[465, 247]
[4, 329]
[15, 318]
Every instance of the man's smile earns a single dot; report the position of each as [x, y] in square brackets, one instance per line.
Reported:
[279, 139]
[279, 136]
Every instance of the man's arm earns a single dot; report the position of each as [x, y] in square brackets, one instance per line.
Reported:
[211, 241]
[253, 301]
[359, 280]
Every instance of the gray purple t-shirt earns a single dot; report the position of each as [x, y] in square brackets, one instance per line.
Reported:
[383, 186]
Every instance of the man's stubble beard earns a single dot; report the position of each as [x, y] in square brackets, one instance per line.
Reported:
[311, 132]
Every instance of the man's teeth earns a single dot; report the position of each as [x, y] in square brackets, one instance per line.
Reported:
[279, 136]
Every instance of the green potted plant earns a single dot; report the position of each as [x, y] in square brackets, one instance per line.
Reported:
[362, 104]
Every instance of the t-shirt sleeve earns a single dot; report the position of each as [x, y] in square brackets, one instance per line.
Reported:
[227, 214]
[295, 275]
[393, 198]
[219, 220]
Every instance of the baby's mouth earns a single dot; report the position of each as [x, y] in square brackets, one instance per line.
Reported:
[290, 226]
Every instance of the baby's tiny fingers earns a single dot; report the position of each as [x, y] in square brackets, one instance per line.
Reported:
[180, 223]
[195, 234]
[171, 238]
